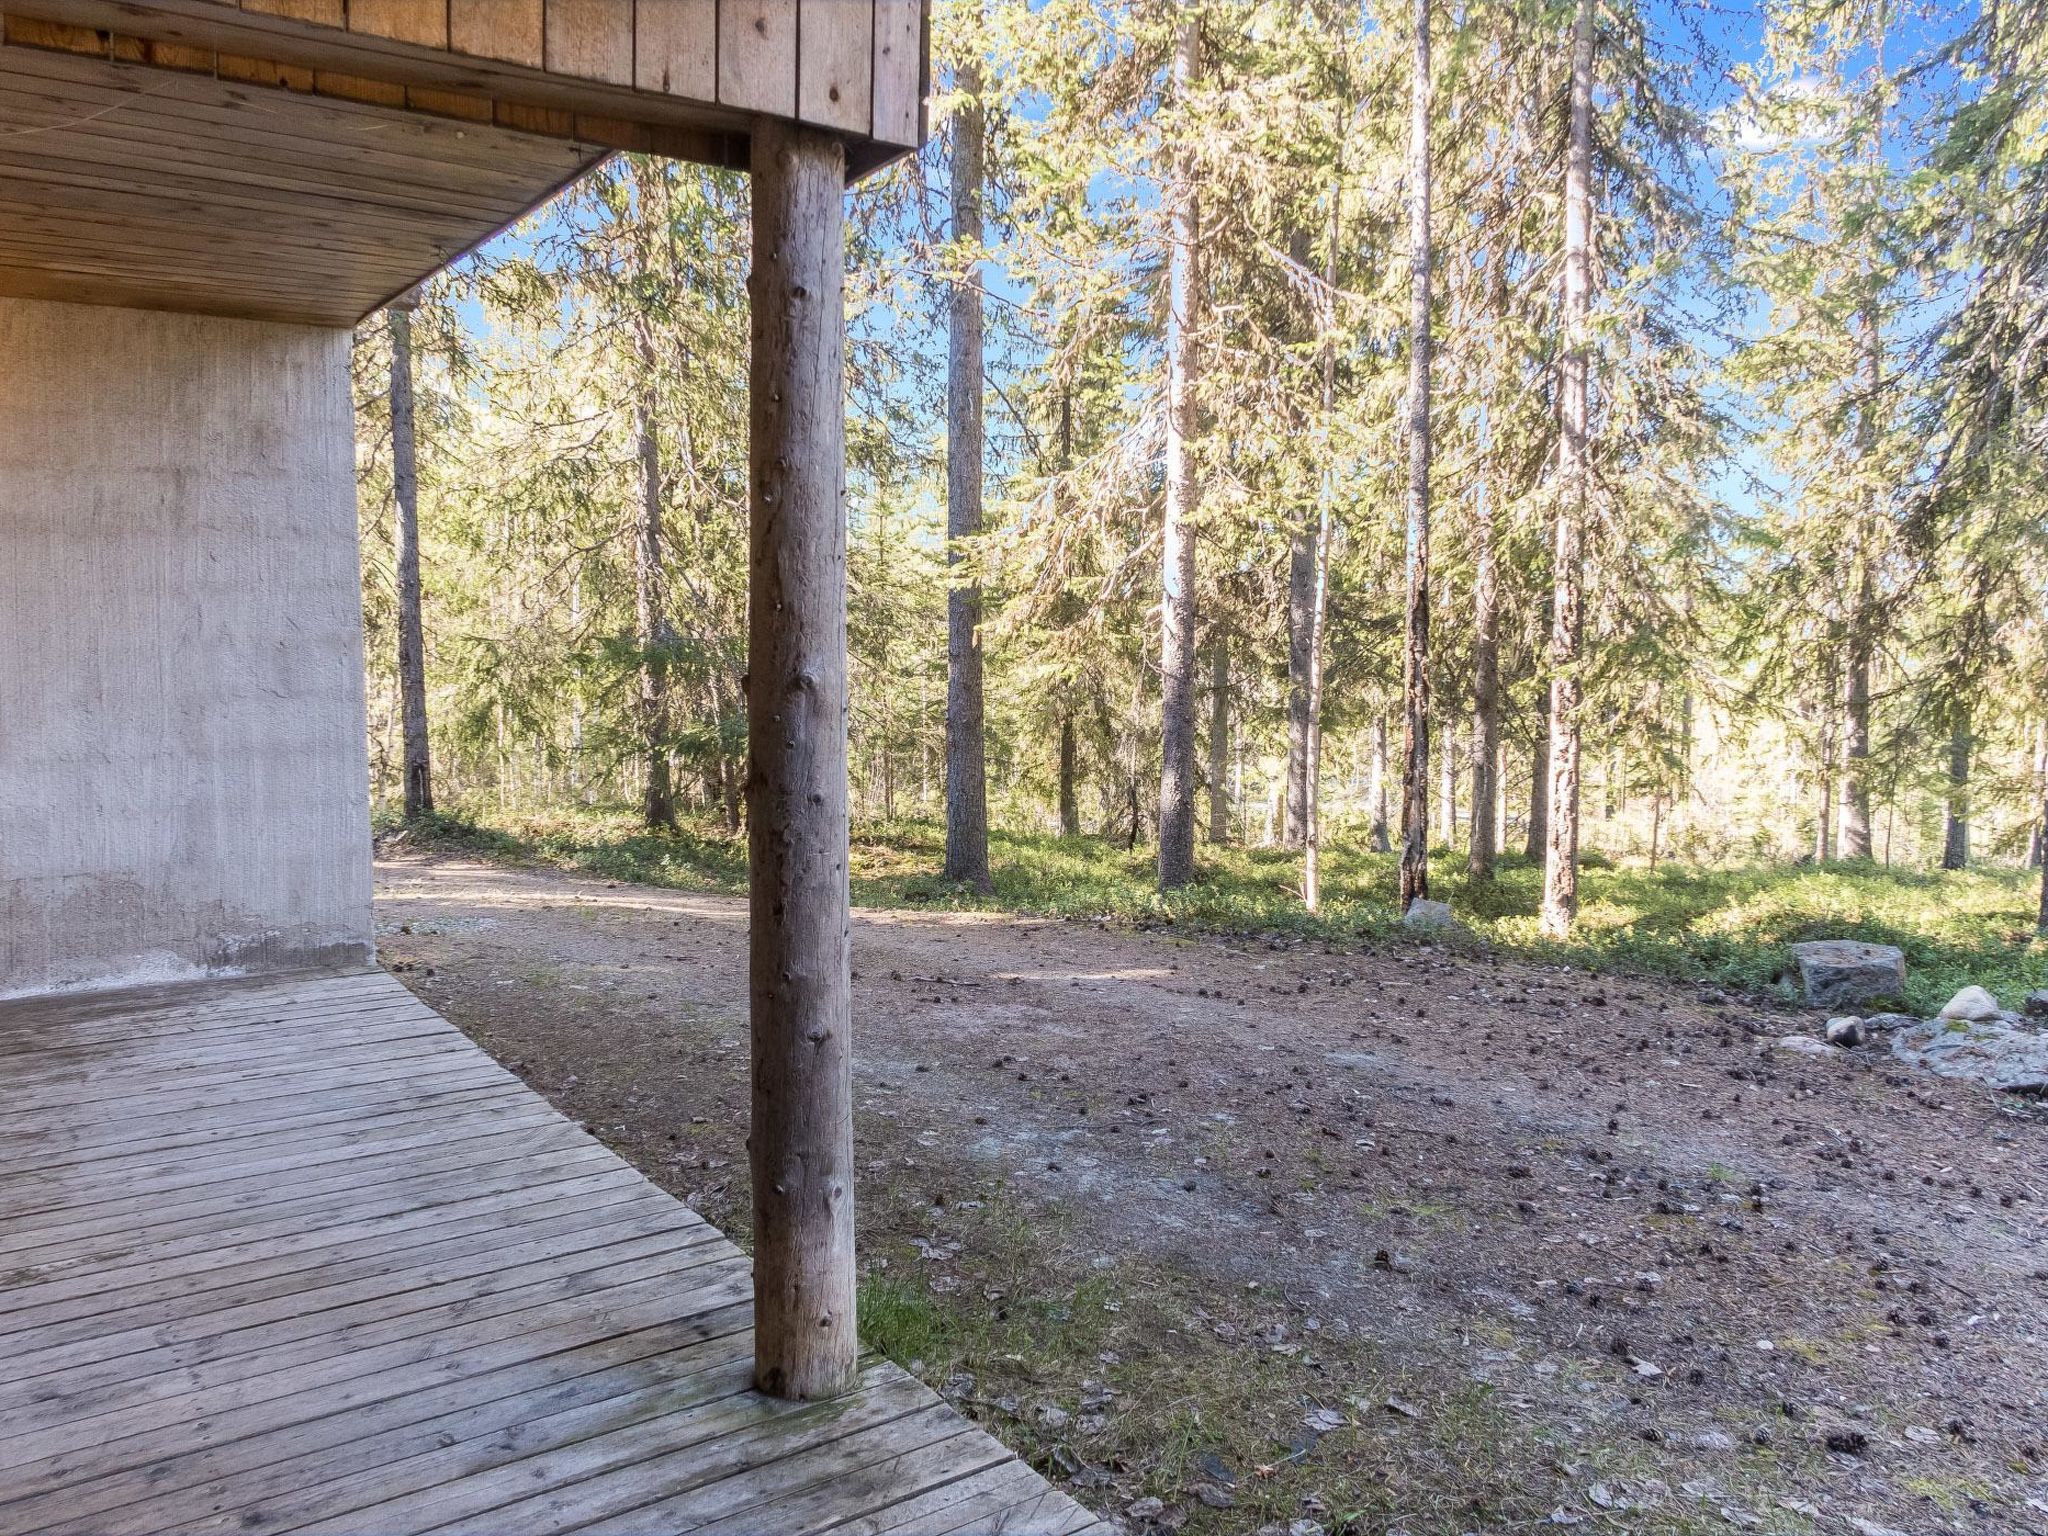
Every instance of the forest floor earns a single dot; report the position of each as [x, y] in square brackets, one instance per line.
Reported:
[1231, 1232]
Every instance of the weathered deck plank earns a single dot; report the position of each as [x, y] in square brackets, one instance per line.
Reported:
[300, 1257]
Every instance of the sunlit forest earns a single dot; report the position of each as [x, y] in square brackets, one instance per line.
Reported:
[1511, 437]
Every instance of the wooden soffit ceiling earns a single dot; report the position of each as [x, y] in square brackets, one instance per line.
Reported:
[124, 184]
[307, 160]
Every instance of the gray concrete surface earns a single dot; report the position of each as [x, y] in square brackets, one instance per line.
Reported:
[183, 786]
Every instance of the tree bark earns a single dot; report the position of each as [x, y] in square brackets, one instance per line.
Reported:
[1070, 806]
[1955, 820]
[966, 745]
[1376, 796]
[1301, 581]
[1824, 772]
[1538, 840]
[1219, 738]
[1861, 641]
[1485, 838]
[1561, 850]
[800, 974]
[1415, 669]
[651, 630]
[412, 653]
[2037, 840]
[1856, 841]
[1177, 605]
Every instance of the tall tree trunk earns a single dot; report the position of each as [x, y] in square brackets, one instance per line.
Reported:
[1415, 668]
[1376, 796]
[1824, 770]
[1485, 839]
[966, 773]
[1856, 843]
[800, 979]
[1301, 584]
[1447, 787]
[412, 652]
[1561, 852]
[1301, 580]
[2041, 822]
[651, 631]
[1537, 842]
[1319, 572]
[1177, 604]
[1955, 820]
[1070, 806]
[1219, 738]
[2037, 840]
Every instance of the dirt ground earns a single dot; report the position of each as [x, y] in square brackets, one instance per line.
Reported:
[1231, 1235]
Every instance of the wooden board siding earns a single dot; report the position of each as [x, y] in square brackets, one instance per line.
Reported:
[124, 184]
[297, 1255]
[681, 77]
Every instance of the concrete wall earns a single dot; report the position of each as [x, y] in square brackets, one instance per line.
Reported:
[183, 788]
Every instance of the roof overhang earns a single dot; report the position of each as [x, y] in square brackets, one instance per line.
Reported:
[307, 160]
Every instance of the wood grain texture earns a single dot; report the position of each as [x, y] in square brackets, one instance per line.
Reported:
[757, 55]
[424, 22]
[800, 946]
[675, 47]
[899, 71]
[511, 30]
[392, 1308]
[124, 184]
[835, 64]
[591, 39]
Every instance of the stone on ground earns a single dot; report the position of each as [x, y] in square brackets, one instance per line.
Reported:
[1846, 1032]
[2008, 1055]
[1842, 972]
[2036, 1005]
[1972, 1003]
[1802, 1045]
[1423, 913]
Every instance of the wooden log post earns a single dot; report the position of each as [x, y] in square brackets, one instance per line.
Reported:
[801, 989]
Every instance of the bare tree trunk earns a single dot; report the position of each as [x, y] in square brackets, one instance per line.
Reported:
[2037, 842]
[966, 755]
[1447, 786]
[1376, 797]
[1955, 820]
[1177, 605]
[1856, 843]
[1219, 738]
[1301, 580]
[651, 631]
[405, 482]
[1070, 807]
[1319, 575]
[1561, 852]
[2041, 921]
[1485, 840]
[1415, 669]
[801, 986]
[1824, 823]
[1538, 839]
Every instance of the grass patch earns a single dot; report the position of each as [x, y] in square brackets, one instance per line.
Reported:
[1729, 926]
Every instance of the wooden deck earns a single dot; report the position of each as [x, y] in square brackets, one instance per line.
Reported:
[298, 1256]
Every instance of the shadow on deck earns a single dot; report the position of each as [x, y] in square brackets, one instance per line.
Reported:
[298, 1256]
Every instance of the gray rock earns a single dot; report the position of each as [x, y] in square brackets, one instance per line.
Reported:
[2000, 1053]
[1847, 1032]
[1713, 1440]
[1972, 1003]
[1841, 972]
[2036, 1005]
[1423, 913]
[1885, 1023]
